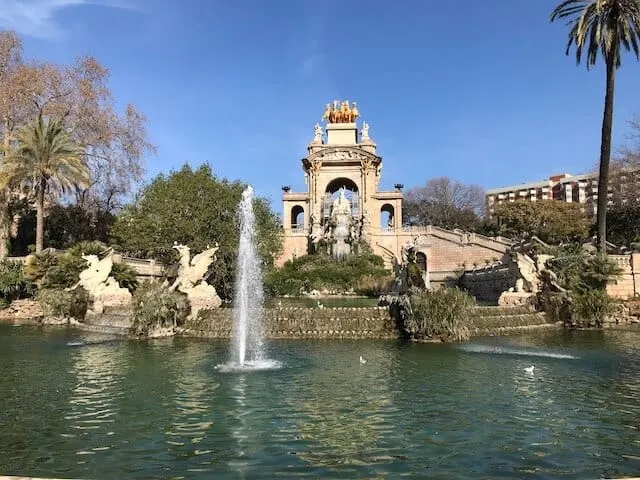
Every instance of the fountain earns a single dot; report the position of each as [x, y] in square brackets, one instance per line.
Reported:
[247, 337]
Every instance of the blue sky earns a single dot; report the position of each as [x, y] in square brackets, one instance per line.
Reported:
[478, 91]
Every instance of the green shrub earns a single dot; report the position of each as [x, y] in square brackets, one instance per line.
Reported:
[13, 284]
[125, 275]
[60, 303]
[443, 313]
[54, 270]
[320, 271]
[590, 308]
[155, 307]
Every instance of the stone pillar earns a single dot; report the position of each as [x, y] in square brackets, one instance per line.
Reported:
[568, 192]
[582, 194]
[545, 193]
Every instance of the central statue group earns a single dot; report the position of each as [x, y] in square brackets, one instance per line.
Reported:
[340, 112]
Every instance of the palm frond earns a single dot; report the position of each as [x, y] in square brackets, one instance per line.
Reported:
[45, 152]
[601, 28]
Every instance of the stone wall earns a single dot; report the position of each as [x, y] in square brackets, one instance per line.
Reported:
[504, 320]
[628, 284]
[487, 284]
[369, 322]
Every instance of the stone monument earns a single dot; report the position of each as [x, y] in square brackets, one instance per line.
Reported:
[103, 289]
[191, 279]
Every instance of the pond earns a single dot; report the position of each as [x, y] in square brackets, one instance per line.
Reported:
[79, 405]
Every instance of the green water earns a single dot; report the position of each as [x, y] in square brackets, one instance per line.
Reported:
[160, 409]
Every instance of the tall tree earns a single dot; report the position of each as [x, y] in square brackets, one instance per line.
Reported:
[194, 207]
[114, 144]
[46, 159]
[602, 27]
[444, 203]
[550, 220]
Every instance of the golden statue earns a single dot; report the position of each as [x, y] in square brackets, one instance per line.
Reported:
[340, 112]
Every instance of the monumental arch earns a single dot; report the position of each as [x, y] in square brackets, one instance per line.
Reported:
[343, 207]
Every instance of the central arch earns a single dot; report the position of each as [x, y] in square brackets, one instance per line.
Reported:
[351, 192]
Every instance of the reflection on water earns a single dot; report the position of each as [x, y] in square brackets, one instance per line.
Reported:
[344, 412]
[93, 400]
[72, 407]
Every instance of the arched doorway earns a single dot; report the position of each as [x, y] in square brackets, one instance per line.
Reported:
[297, 218]
[387, 217]
[350, 192]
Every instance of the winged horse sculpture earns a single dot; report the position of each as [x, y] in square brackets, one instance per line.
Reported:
[96, 274]
[192, 270]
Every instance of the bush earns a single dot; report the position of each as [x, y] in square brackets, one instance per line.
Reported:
[590, 308]
[155, 307]
[53, 270]
[443, 313]
[13, 284]
[125, 275]
[321, 271]
[60, 303]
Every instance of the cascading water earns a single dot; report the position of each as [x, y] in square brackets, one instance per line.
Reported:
[248, 346]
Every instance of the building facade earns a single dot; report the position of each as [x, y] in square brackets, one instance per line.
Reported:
[343, 208]
[581, 189]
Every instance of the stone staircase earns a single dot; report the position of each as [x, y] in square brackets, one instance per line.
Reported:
[501, 320]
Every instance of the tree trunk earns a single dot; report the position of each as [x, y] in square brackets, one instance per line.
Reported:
[5, 195]
[40, 215]
[5, 223]
[605, 155]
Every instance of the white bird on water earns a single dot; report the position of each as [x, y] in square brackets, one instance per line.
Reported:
[529, 369]
[362, 360]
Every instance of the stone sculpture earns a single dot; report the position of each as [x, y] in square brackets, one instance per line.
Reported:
[191, 278]
[365, 131]
[102, 288]
[341, 223]
[317, 138]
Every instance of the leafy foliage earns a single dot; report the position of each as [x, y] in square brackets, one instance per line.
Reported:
[155, 307]
[59, 303]
[590, 308]
[46, 159]
[551, 221]
[580, 271]
[444, 203]
[125, 275]
[623, 224]
[71, 224]
[443, 313]
[321, 271]
[197, 209]
[585, 277]
[13, 284]
[53, 270]
[50, 270]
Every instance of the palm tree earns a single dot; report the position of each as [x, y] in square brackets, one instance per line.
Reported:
[602, 27]
[46, 159]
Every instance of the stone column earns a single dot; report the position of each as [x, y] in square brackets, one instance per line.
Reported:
[568, 192]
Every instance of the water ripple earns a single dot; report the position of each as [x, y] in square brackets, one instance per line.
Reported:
[163, 410]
